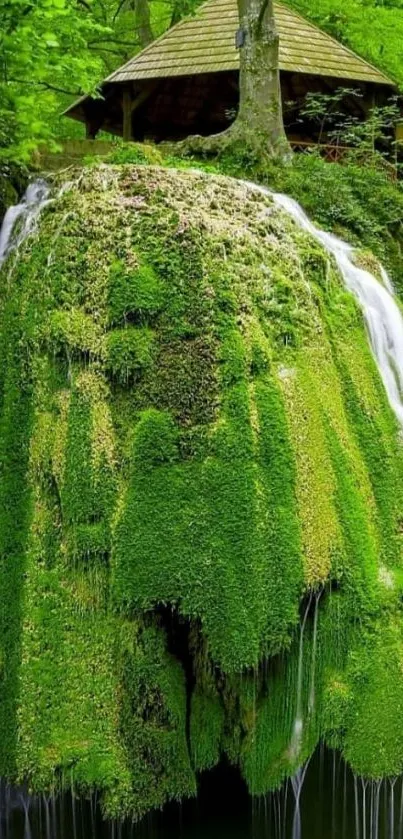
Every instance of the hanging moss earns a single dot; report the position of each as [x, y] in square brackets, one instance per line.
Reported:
[15, 514]
[153, 720]
[191, 422]
[128, 352]
[206, 728]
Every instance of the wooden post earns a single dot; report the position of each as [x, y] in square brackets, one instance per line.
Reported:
[127, 114]
[91, 131]
[94, 117]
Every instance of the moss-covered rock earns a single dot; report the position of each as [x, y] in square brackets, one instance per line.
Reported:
[13, 181]
[191, 424]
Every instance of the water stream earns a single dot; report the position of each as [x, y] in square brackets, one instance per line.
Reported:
[333, 804]
[379, 306]
[21, 220]
[298, 727]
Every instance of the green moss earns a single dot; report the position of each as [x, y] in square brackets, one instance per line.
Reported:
[375, 427]
[191, 423]
[373, 742]
[137, 293]
[135, 153]
[153, 720]
[73, 333]
[15, 513]
[155, 440]
[206, 729]
[360, 571]
[128, 352]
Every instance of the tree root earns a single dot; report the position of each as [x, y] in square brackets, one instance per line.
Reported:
[237, 141]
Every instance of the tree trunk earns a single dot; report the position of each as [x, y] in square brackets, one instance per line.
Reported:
[260, 117]
[258, 130]
[143, 22]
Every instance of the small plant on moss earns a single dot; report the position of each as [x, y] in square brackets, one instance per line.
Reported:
[136, 153]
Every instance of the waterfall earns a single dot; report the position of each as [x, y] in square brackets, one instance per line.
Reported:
[27, 825]
[380, 309]
[311, 705]
[298, 726]
[20, 220]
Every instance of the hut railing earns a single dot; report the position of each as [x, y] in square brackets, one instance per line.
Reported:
[336, 154]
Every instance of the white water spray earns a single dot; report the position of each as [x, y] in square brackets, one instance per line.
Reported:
[20, 221]
[381, 311]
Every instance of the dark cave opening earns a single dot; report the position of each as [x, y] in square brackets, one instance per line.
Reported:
[178, 631]
[334, 805]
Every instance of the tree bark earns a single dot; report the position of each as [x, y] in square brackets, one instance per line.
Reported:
[143, 22]
[260, 117]
[258, 130]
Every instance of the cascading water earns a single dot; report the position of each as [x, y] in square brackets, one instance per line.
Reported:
[20, 220]
[298, 726]
[381, 311]
[311, 704]
[297, 783]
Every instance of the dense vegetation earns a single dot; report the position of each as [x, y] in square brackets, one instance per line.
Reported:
[201, 494]
[373, 28]
[52, 51]
[195, 445]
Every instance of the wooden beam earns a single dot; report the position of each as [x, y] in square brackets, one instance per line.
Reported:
[143, 96]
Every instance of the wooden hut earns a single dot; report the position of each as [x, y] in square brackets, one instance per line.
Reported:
[186, 82]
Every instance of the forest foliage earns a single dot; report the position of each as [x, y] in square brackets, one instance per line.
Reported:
[52, 51]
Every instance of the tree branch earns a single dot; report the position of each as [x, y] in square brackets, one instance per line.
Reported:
[47, 86]
[105, 49]
[118, 10]
[112, 41]
[262, 13]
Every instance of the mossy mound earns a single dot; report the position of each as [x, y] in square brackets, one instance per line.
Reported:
[194, 442]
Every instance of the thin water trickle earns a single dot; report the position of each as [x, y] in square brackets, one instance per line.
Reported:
[364, 807]
[392, 808]
[298, 727]
[311, 703]
[376, 814]
[361, 810]
[297, 783]
[47, 817]
[27, 824]
[356, 809]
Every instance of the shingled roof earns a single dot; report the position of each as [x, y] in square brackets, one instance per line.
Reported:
[205, 43]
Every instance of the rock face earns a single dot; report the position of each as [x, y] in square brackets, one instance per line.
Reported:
[13, 180]
[195, 449]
